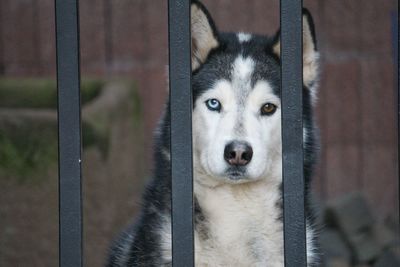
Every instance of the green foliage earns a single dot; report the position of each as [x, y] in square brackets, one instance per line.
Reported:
[28, 147]
[40, 93]
[27, 158]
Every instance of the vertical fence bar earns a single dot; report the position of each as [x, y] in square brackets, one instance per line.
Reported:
[181, 132]
[396, 45]
[69, 133]
[292, 133]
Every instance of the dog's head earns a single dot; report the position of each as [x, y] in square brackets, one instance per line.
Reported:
[237, 107]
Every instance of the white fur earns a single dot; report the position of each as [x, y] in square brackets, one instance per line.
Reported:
[166, 239]
[242, 70]
[311, 255]
[243, 228]
[167, 155]
[244, 37]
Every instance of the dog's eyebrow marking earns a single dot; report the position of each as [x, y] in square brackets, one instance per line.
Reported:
[243, 37]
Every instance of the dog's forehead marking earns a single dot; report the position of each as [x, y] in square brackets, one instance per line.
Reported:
[242, 71]
[241, 77]
[244, 37]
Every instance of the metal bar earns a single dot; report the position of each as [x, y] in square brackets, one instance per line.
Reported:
[69, 133]
[181, 132]
[292, 133]
[396, 44]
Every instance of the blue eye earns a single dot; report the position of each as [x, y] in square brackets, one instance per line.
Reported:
[213, 104]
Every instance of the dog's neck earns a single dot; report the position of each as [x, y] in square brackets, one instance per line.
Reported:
[231, 213]
[206, 188]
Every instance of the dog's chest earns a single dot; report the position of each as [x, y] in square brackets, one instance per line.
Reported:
[240, 226]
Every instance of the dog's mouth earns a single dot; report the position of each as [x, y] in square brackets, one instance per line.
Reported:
[236, 173]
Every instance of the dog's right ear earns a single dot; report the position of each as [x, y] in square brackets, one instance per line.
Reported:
[204, 34]
[310, 52]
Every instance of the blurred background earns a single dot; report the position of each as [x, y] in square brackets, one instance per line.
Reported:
[124, 56]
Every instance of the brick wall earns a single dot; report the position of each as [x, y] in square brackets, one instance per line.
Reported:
[128, 38]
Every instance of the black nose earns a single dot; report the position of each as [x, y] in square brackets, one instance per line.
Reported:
[238, 153]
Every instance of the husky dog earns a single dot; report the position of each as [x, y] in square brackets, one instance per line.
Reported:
[236, 154]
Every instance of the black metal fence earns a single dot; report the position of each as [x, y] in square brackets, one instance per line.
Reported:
[181, 135]
[69, 133]
[68, 77]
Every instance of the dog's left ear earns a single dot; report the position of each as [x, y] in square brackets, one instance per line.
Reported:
[204, 34]
[310, 53]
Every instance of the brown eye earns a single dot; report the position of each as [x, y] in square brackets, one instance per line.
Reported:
[268, 109]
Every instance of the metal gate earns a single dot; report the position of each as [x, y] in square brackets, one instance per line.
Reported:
[69, 129]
